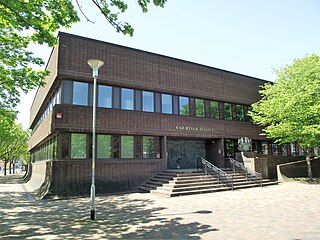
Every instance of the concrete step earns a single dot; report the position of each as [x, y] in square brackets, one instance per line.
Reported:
[189, 192]
[180, 185]
[183, 182]
[189, 188]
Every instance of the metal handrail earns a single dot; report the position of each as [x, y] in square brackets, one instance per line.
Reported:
[248, 173]
[221, 176]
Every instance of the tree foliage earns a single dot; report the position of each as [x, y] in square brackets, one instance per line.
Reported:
[23, 22]
[13, 142]
[289, 108]
[36, 21]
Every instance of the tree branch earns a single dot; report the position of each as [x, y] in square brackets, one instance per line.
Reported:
[80, 8]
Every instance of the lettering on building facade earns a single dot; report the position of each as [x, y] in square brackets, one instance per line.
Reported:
[195, 129]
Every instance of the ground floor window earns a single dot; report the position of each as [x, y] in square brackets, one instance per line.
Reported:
[148, 145]
[104, 146]
[78, 145]
[231, 147]
[46, 151]
[126, 146]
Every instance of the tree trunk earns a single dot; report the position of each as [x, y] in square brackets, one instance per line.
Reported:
[13, 168]
[10, 167]
[309, 163]
[5, 168]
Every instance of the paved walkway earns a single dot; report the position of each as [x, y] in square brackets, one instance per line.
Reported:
[287, 211]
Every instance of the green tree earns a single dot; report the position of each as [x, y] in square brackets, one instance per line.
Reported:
[289, 108]
[13, 142]
[36, 21]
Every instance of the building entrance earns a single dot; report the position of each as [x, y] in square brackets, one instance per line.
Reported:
[182, 153]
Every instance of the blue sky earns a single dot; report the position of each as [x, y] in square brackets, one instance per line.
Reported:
[244, 36]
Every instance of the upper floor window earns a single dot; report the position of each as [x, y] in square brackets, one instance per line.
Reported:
[240, 113]
[127, 99]
[147, 101]
[227, 111]
[214, 109]
[199, 107]
[184, 106]
[105, 96]
[166, 103]
[80, 93]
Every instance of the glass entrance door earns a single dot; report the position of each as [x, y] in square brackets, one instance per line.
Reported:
[182, 154]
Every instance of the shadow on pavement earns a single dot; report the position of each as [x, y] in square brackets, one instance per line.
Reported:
[12, 179]
[118, 216]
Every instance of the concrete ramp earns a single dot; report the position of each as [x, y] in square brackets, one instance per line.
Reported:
[39, 182]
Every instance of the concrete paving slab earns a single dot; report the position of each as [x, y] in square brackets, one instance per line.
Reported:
[286, 211]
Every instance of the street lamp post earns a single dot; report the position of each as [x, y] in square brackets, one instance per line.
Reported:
[95, 64]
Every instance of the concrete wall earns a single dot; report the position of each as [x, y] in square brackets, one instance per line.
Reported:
[42, 132]
[42, 92]
[265, 164]
[297, 169]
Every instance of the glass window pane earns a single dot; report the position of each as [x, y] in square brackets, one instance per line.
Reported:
[227, 111]
[104, 146]
[147, 101]
[214, 109]
[148, 147]
[230, 148]
[58, 98]
[127, 99]
[105, 96]
[240, 113]
[66, 91]
[199, 107]
[166, 103]
[78, 145]
[184, 106]
[126, 146]
[80, 93]
[55, 150]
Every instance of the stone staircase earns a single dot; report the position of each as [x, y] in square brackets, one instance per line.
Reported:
[171, 183]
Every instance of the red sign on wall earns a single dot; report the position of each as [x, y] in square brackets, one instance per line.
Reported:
[58, 115]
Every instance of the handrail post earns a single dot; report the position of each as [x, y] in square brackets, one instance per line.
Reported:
[233, 165]
[232, 183]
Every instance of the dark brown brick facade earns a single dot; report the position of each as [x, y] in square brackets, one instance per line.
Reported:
[113, 121]
[73, 177]
[142, 70]
[130, 68]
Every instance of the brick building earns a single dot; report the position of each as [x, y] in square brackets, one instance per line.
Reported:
[153, 113]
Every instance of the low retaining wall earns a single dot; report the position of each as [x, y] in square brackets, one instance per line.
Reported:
[288, 171]
[265, 164]
[66, 178]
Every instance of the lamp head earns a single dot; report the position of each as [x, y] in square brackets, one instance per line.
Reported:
[95, 64]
